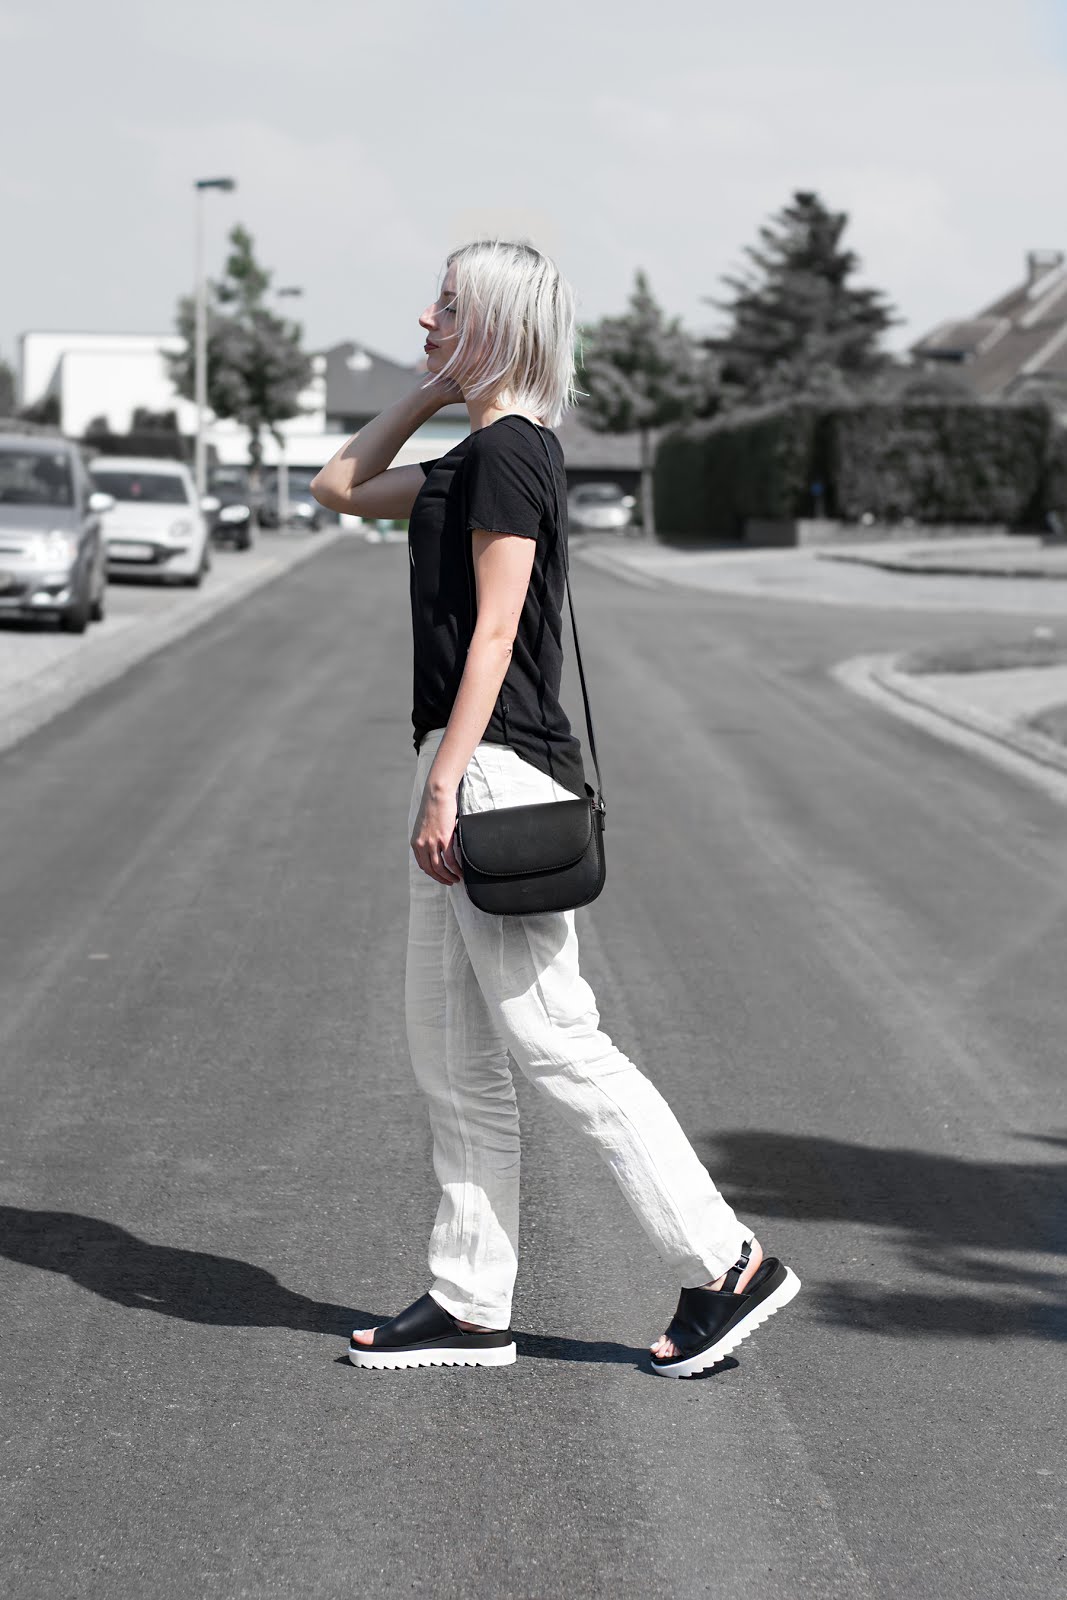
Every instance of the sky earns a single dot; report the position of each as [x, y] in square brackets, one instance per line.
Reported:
[367, 141]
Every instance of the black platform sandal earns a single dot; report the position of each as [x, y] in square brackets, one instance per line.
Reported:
[426, 1335]
[709, 1323]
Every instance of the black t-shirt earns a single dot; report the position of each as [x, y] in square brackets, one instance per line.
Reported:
[496, 479]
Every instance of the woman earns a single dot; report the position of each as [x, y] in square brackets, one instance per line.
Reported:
[487, 592]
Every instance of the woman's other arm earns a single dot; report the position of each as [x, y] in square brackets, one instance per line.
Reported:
[358, 478]
[503, 564]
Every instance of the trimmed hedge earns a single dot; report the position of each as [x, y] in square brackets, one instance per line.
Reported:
[951, 461]
[1055, 496]
[955, 462]
[710, 476]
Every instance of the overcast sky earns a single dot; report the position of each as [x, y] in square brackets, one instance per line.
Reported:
[367, 140]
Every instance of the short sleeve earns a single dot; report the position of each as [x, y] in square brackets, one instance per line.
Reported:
[427, 465]
[505, 490]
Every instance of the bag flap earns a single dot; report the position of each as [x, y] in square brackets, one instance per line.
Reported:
[512, 841]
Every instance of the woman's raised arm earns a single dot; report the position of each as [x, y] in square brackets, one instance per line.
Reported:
[364, 459]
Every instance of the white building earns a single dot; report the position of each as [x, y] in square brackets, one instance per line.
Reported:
[111, 375]
[100, 375]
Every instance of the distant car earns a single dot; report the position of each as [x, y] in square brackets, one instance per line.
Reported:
[52, 556]
[304, 509]
[156, 528]
[601, 506]
[229, 507]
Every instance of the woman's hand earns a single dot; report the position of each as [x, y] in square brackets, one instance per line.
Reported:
[444, 391]
[433, 839]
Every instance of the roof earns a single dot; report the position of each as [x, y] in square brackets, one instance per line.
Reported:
[38, 443]
[1021, 335]
[362, 382]
[584, 448]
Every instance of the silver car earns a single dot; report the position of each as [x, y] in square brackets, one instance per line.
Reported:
[52, 557]
[600, 505]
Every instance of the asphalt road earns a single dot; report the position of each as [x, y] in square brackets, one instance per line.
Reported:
[43, 669]
[835, 943]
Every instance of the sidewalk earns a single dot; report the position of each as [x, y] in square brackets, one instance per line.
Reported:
[1021, 556]
[888, 577]
[987, 713]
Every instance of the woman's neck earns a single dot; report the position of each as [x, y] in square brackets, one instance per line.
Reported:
[481, 415]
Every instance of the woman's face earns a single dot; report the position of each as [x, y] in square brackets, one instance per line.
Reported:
[439, 321]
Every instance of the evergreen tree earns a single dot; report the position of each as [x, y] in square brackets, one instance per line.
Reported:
[255, 366]
[44, 413]
[798, 325]
[641, 372]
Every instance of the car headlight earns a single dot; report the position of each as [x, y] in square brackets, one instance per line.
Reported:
[53, 549]
[234, 513]
[181, 529]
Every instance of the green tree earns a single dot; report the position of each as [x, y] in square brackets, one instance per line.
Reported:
[641, 373]
[44, 413]
[255, 366]
[7, 389]
[797, 323]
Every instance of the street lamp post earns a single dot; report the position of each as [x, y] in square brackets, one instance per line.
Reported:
[289, 292]
[200, 336]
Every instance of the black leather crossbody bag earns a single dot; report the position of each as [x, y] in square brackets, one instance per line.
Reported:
[519, 860]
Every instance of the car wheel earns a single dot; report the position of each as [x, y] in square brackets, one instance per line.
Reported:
[244, 540]
[75, 619]
[196, 578]
[98, 606]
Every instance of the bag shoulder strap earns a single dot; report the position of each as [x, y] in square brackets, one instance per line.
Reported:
[562, 536]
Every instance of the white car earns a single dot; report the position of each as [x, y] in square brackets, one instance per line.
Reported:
[156, 528]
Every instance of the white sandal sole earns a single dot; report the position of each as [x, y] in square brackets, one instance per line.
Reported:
[707, 1358]
[393, 1360]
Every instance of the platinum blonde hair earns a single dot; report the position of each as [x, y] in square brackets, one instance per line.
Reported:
[516, 329]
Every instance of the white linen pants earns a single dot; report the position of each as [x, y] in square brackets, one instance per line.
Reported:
[480, 986]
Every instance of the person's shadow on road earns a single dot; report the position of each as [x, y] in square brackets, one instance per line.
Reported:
[196, 1286]
[959, 1226]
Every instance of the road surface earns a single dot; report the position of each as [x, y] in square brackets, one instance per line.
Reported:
[836, 944]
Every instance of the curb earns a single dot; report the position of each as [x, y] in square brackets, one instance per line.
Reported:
[1023, 751]
[944, 569]
[25, 707]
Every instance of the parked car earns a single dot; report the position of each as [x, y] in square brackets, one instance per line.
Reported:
[156, 528]
[304, 509]
[229, 507]
[52, 554]
[601, 506]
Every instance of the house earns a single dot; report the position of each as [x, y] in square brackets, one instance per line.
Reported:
[361, 382]
[1020, 339]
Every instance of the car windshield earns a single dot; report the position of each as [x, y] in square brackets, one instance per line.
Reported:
[598, 491]
[157, 488]
[228, 481]
[35, 478]
[299, 487]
